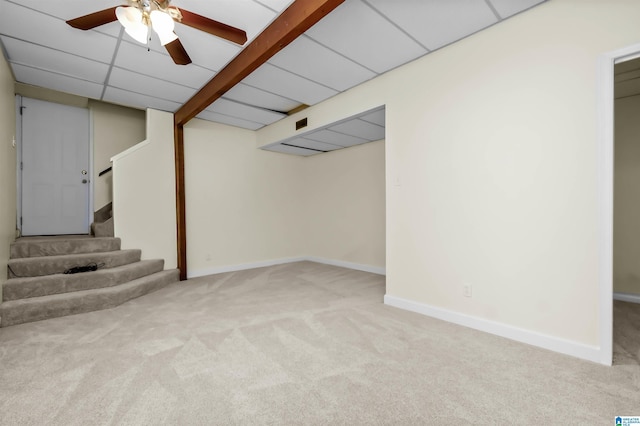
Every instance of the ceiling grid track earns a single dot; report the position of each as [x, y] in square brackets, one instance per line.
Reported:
[402, 30]
[493, 9]
[271, 93]
[253, 106]
[111, 65]
[303, 77]
[340, 54]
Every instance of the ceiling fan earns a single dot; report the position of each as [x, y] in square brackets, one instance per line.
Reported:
[143, 15]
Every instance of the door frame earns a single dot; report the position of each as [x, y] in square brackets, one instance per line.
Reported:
[605, 160]
[18, 104]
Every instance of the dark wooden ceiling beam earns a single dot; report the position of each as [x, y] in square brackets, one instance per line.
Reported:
[289, 25]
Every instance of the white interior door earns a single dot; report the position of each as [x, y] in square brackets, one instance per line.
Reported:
[54, 169]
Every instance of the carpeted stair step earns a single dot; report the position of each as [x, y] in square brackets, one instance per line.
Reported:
[103, 229]
[58, 305]
[49, 265]
[22, 288]
[104, 213]
[33, 247]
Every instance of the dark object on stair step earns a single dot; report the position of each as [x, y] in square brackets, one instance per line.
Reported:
[87, 268]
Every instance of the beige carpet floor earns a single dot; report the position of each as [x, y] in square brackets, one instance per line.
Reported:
[301, 343]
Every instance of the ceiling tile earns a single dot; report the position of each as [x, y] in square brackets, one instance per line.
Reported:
[66, 9]
[311, 144]
[357, 31]
[309, 59]
[361, 129]
[55, 33]
[375, 117]
[21, 52]
[205, 49]
[436, 23]
[291, 150]
[149, 86]
[277, 5]
[235, 109]
[260, 98]
[135, 100]
[273, 79]
[136, 57]
[247, 15]
[58, 82]
[69, 9]
[231, 121]
[508, 8]
[335, 138]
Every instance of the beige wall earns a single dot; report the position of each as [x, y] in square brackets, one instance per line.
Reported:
[492, 142]
[7, 167]
[345, 205]
[496, 149]
[243, 204]
[246, 206]
[144, 204]
[49, 95]
[115, 129]
[626, 239]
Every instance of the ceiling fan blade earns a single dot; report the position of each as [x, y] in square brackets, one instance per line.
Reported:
[177, 52]
[216, 28]
[93, 20]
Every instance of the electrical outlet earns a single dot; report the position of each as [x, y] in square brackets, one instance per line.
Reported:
[13, 142]
[467, 290]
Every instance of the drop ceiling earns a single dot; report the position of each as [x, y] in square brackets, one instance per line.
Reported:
[356, 130]
[358, 41]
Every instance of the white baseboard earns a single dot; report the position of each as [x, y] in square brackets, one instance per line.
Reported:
[262, 264]
[627, 297]
[567, 347]
[241, 267]
[349, 265]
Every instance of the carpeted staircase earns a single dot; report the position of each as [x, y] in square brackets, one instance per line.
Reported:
[102, 225]
[38, 288]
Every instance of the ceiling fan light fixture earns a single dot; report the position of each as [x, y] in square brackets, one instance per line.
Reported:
[139, 17]
[132, 20]
[139, 33]
[163, 24]
[128, 16]
[167, 38]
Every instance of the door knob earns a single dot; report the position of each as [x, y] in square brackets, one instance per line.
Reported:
[84, 172]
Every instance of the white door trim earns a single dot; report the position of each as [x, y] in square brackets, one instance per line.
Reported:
[18, 163]
[91, 175]
[605, 159]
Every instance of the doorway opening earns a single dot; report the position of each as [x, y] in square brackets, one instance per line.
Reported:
[626, 210]
[606, 164]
